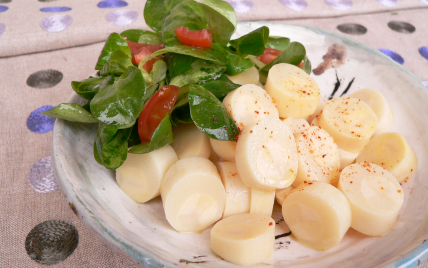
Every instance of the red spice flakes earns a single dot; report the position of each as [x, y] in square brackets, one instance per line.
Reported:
[399, 191]
[381, 188]
[270, 223]
[351, 182]
[310, 183]
[305, 182]
[263, 146]
[234, 174]
[257, 112]
[323, 155]
[251, 131]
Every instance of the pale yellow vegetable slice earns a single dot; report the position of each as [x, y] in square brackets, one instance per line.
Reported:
[244, 239]
[380, 106]
[346, 158]
[296, 125]
[262, 201]
[140, 175]
[349, 121]
[226, 150]
[238, 195]
[318, 215]
[266, 155]
[193, 196]
[249, 104]
[295, 92]
[375, 197]
[282, 194]
[319, 158]
[250, 76]
[392, 152]
[190, 141]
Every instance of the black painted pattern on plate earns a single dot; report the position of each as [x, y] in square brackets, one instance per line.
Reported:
[51, 241]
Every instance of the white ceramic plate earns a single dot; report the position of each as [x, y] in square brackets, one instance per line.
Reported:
[142, 231]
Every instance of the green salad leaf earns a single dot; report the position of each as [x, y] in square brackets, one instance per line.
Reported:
[159, 70]
[162, 136]
[200, 72]
[88, 88]
[150, 38]
[277, 42]
[252, 43]
[117, 64]
[307, 67]
[121, 103]
[210, 116]
[114, 42]
[111, 145]
[235, 63]
[221, 19]
[155, 12]
[188, 14]
[71, 112]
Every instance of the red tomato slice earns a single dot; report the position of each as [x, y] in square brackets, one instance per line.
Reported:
[140, 51]
[203, 38]
[269, 55]
[155, 110]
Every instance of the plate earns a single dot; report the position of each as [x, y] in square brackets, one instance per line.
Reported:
[141, 230]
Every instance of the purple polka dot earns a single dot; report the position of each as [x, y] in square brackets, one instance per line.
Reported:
[388, 3]
[41, 176]
[40, 123]
[56, 23]
[2, 28]
[122, 17]
[425, 83]
[112, 4]
[3, 8]
[393, 55]
[241, 6]
[425, 2]
[296, 5]
[55, 9]
[424, 52]
[339, 4]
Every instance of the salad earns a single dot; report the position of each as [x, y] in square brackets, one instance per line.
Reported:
[187, 84]
[178, 73]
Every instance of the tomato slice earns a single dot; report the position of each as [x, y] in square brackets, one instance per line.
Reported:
[155, 110]
[140, 51]
[203, 38]
[269, 55]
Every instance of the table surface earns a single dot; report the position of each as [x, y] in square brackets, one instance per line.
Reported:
[46, 44]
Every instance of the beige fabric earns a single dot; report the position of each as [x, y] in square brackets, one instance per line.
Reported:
[21, 208]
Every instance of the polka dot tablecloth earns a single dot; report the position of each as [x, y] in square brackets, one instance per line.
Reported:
[46, 44]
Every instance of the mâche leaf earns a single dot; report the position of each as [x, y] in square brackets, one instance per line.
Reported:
[121, 103]
[114, 42]
[135, 34]
[221, 19]
[252, 43]
[277, 42]
[111, 145]
[188, 14]
[117, 64]
[71, 112]
[235, 63]
[88, 88]
[210, 116]
[155, 12]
